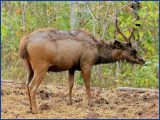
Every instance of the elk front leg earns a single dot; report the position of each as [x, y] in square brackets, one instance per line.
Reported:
[36, 81]
[71, 84]
[86, 73]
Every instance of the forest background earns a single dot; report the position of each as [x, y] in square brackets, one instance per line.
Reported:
[21, 18]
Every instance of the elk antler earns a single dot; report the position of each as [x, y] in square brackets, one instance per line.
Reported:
[118, 30]
[129, 38]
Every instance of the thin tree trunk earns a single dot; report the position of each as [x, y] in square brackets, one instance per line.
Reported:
[23, 17]
[73, 16]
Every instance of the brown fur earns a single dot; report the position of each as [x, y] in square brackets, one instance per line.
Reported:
[23, 50]
[54, 50]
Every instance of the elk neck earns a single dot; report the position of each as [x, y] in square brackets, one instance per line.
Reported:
[108, 54]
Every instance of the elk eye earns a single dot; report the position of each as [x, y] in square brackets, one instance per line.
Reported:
[133, 52]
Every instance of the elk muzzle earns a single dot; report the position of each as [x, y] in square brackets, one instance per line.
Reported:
[140, 61]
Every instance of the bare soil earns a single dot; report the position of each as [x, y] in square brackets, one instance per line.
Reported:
[52, 102]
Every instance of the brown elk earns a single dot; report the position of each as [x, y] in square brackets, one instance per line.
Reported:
[54, 50]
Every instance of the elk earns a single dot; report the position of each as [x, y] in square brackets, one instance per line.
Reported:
[54, 50]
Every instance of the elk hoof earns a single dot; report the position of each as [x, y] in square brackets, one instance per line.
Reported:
[35, 111]
[29, 111]
[69, 103]
[91, 103]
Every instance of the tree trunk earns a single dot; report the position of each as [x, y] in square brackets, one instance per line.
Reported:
[73, 16]
[23, 17]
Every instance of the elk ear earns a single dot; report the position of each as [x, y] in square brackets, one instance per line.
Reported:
[117, 44]
[129, 44]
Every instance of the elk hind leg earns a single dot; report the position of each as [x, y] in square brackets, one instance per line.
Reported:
[30, 75]
[39, 73]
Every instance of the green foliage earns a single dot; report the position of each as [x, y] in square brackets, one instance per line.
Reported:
[96, 17]
[143, 75]
[79, 79]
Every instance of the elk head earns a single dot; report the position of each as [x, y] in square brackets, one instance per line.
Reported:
[127, 51]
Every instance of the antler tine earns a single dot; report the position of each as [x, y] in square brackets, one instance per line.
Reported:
[133, 29]
[129, 38]
[118, 30]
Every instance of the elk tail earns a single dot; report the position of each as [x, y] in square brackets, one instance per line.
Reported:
[23, 48]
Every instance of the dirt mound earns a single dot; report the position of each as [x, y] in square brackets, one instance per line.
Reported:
[45, 95]
[52, 102]
[44, 106]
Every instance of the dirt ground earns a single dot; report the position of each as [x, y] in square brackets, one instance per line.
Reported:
[52, 102]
